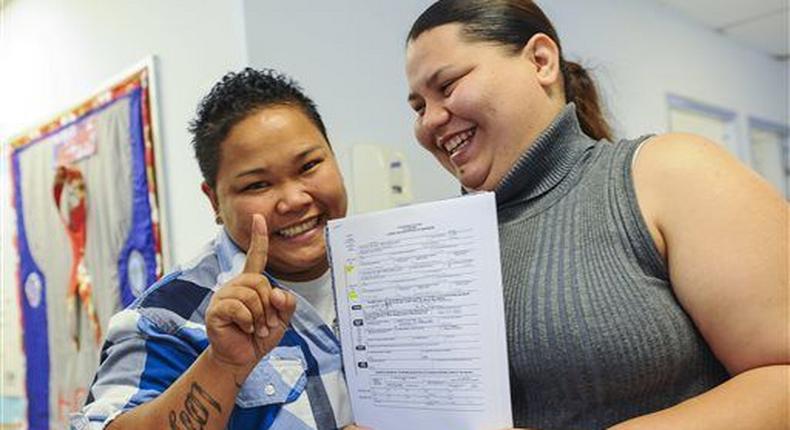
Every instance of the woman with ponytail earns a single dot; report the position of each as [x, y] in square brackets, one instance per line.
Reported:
[645, 280]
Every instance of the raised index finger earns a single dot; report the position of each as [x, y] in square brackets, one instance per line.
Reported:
[258, 250]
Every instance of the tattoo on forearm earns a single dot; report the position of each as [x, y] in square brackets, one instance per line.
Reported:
[196, 413]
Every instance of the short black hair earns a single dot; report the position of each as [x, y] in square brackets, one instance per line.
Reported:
[236, 96]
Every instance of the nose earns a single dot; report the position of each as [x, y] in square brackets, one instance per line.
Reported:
[435, 115]
[293, 197]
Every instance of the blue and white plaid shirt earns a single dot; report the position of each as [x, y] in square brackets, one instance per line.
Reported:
[298, 385]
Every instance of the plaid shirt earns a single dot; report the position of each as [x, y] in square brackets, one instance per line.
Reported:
[298, 385]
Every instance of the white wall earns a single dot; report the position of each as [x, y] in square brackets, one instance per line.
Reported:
[642, 50]
[55, 53]
[348, 54]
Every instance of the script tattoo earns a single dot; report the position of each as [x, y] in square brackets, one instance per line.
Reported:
[196, 412]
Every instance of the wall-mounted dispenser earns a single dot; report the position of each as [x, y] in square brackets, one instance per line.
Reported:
[377, 178]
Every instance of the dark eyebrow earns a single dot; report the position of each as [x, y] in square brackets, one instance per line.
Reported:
[263, 170]
[430, 82]
[308, 151]
[251, 172]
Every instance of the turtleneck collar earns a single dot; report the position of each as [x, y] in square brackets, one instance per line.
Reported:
[550, 158]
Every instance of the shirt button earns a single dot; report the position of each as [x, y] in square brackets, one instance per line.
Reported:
[269, 390]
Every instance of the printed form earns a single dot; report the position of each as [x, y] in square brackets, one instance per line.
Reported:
[421, 316]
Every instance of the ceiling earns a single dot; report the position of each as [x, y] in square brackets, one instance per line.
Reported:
[761, 24]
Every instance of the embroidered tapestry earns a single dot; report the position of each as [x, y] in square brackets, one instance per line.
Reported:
[88, 238]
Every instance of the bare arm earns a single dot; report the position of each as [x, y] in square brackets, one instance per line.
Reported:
[724, 234]
[754, 399]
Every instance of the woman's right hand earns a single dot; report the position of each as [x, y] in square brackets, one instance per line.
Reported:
[246, 317]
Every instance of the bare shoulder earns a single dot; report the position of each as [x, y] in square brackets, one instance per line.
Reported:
[689, 156]
[676, 168]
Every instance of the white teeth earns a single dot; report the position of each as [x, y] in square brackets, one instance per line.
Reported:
[298, 229]
[458, 141]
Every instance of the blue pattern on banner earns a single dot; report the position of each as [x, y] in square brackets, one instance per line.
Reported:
[34, 319]
[141, 234]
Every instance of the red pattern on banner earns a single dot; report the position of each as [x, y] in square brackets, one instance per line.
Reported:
[72, 206]
[150, 171]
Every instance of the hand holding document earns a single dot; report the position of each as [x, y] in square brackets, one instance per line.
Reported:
[421, 317]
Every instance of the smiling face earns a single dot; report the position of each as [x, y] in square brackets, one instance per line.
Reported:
[479, 105]
[275, 162]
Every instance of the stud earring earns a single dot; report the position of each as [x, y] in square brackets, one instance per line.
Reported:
[218, 220]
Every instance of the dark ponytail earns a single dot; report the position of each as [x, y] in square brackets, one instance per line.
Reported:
[513, 23]
[580, 89]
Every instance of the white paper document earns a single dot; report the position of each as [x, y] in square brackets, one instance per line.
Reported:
[421, 316]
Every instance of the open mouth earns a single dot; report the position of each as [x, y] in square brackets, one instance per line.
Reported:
[458, 141]
[297, 229]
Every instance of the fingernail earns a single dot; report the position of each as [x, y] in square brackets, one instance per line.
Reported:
[263, 331]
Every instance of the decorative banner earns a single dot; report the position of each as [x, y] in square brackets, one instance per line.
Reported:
[92, 249]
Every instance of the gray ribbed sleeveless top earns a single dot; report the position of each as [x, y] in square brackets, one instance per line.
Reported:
[595, 334]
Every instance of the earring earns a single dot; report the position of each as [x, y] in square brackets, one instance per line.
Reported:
[218, 219]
